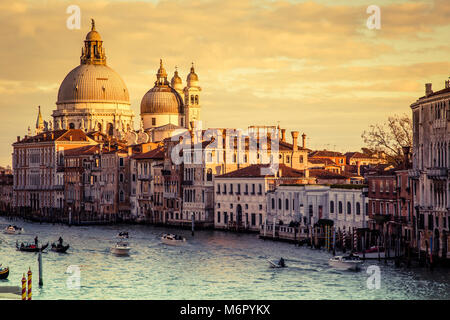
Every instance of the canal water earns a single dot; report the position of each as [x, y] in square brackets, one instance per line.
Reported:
[212, 265]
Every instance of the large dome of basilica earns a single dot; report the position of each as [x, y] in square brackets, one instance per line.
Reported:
[93, 83]
[93, 96]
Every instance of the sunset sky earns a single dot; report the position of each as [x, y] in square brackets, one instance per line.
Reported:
[311, 66]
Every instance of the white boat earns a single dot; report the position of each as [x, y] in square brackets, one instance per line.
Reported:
[172, 239]
[345, 262]
[13, 230]
[121, 249]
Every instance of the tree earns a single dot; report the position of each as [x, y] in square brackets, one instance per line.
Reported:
[389, 137]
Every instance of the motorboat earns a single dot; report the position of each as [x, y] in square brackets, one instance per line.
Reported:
[173, 239]
[30, 247]
[277, 263]
[4, 272]
[123, 235]
[121, 249]
[13, 230]
[350, 262]
[59, 248]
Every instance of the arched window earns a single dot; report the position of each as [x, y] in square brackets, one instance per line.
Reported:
[192, 99]
[340, 206]
[71, 125]
[349, 207]
[209, 175]
[279, 203]
[273, 203]
[358, 208]
[196, 99]
[331, 206]
[287, 204]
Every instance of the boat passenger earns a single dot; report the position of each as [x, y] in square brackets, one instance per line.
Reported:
[281, 262]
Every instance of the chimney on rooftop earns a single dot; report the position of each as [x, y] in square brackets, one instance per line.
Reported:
[294, 140]
[18, 138]
[304, 141]
[283, 135]
[447, 84]
[358, 166]
[428, 89]
[406, 156]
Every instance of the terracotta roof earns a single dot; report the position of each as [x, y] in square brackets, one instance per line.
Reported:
[324, 161]
[288, 146]
[325, 174]
[358, 155]
[325, 153]
[57, 135]
[254, 171]
[445, 90]
[157, 153]
[87, 150]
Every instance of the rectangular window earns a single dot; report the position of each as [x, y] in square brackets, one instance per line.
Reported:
[218, 216]
[253, 219]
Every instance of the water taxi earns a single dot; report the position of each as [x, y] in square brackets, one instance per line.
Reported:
[173, 239]
[350, 262]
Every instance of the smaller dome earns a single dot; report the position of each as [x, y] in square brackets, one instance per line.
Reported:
[176, 81]
[192, 78]
[161, 100]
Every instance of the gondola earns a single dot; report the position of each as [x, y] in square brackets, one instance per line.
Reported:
[31, 247]
[4, 273]
[59, 248]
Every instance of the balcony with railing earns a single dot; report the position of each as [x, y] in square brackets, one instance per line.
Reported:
[438, 173]
[414, 173]
[145, 176]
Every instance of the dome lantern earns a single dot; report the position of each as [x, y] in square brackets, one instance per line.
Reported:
[93, 51]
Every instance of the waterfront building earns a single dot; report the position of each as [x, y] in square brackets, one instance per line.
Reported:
[430, 171]
[144, 180]
[38, 168]
[240, 195]
[346, 205]
[391, 202]
[6, 191]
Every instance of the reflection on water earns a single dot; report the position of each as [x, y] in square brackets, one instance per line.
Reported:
[212, 265]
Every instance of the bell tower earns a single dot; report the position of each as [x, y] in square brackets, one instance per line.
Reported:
[192, 98]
